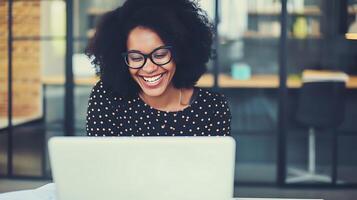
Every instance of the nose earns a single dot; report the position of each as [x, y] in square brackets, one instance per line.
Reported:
[149, 67]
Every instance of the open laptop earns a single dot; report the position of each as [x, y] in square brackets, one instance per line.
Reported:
[143, 168]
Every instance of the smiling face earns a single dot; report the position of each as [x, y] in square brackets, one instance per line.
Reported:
[154, 80]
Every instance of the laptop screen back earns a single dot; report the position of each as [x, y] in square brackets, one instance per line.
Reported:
[143, 168]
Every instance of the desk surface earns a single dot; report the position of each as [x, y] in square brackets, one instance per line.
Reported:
[47, 192]
[242, 198]
[224, 81]
[4, 122]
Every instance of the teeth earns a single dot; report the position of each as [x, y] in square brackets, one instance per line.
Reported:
[152, 79]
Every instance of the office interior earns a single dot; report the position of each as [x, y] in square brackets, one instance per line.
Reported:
[263, 49]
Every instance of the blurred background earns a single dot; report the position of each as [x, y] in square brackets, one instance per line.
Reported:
[266, 53]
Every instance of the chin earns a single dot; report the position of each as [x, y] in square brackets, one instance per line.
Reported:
[153, 93]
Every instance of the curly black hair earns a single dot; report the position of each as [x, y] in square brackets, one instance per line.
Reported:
[179, 23]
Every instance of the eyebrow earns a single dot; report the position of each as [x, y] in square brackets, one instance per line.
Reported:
[137, 51]
[134, 51]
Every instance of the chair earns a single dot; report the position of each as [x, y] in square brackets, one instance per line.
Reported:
[320, 106]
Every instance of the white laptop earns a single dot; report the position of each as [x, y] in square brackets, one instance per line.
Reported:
[143, 168]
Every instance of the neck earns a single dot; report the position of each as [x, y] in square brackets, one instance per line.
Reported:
[168, 101]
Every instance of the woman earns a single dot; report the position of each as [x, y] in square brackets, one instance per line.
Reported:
[150, 54]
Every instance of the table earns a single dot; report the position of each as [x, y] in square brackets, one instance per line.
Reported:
[224, 81]
[47, 192]
[242, 198]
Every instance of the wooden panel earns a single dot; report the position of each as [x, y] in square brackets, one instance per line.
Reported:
[26, 77]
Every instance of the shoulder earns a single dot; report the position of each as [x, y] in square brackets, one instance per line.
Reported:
[98, 88]
[212, 101]
[100, 92]
[209, 96]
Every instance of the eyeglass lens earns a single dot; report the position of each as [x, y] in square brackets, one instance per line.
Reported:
[158, 57]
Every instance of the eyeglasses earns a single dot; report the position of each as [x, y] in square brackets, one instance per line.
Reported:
[159, 56]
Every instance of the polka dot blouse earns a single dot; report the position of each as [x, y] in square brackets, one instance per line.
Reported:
[109, 115]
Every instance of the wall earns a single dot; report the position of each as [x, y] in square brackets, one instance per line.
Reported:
[26, 76]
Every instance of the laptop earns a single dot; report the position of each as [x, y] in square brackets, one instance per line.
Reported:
[143, 168]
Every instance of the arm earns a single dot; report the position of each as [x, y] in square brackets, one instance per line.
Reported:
[222, 118]
[101, 115]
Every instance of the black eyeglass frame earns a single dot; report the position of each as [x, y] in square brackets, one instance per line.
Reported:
[146, 56]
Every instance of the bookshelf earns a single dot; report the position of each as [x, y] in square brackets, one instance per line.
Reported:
[352, 20]
[258, 44]
[304, 20]
[306, 11]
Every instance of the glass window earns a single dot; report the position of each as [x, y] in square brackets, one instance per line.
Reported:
[347, 165]
[351, 20]
[38, 28]
[209, 6]
[314, 51]
[248, 47]
[27, 87]
[86, 15]
[3, 66]
[3, 89]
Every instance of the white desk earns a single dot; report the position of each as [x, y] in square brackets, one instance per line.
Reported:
[242, 198]
[47, 192]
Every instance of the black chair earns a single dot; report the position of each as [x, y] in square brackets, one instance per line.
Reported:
[321, 106]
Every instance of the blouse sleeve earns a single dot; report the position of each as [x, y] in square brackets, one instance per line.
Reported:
[222, 118]
[100, 116]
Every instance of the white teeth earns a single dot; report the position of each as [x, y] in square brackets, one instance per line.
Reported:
[152, 79]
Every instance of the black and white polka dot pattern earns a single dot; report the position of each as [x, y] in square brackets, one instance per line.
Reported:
[109, 115]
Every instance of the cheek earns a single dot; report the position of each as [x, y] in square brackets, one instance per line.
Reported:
[132, 72]
[172, 67]
[173, 70]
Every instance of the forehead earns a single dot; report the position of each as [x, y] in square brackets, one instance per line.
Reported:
[143, 39]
